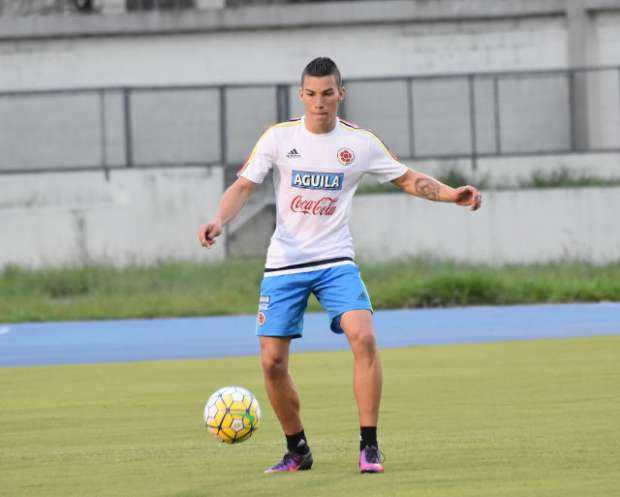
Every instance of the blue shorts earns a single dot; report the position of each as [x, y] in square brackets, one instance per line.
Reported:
[283, 299]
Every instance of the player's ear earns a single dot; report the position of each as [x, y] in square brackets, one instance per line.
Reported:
[342, 93]
[301, 93]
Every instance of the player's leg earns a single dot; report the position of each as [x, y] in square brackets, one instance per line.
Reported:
[283, 301]
[279, 384]
[343, 294]
[367, 373]
[284, 399]
[367, 383]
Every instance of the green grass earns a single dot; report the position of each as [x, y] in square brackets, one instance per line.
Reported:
[565, 178]
[453, 177]
[499, 420]
[562, 177]
[192, 289]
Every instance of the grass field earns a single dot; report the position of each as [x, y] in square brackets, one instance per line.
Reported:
[192, 289]
[506, 419]
[539, 178]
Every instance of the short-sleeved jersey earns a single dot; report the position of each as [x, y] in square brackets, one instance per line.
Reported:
[315, 178]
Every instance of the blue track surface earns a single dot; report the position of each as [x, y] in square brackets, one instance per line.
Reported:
[135, 340]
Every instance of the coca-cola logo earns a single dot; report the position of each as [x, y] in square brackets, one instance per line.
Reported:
[325, 206]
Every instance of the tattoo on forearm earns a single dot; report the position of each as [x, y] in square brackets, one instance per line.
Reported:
[427, 188]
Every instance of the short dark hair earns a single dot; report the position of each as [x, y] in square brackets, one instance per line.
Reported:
[322, 66]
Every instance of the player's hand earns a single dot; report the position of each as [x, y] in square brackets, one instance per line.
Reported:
[208, 232]
[468, 196]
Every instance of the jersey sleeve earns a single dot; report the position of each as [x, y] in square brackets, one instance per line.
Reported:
[261, 159]
[381, 163]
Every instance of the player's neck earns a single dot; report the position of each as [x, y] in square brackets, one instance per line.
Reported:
[320, 127]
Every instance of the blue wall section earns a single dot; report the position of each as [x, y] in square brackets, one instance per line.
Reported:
[136, 340]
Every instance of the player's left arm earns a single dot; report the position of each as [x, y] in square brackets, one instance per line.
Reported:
[424, 186]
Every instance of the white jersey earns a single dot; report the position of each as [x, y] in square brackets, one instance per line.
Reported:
[315, 178]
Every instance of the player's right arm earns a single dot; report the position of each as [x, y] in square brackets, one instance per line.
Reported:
[232, 201]
[234, 198]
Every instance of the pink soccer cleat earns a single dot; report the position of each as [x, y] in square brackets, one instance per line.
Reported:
[370, 460]
[292, 462]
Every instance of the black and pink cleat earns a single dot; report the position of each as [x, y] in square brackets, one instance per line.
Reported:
[370, 460]
[292, 461]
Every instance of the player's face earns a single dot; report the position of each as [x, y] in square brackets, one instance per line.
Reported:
[321, 96]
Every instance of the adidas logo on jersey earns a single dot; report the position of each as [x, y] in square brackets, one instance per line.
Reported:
[293, 154]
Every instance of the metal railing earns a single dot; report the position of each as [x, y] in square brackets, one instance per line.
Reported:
[27, 8]
[37, 8]
[141, 5]
[419, 117]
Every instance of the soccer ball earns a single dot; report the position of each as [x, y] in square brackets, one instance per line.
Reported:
[232, 414]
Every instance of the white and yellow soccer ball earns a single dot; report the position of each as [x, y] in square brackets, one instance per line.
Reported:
[232, 414]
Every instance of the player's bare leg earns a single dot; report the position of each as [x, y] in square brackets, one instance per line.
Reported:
[279, 384]
[367, 373]
[284, 399]
[367, 383]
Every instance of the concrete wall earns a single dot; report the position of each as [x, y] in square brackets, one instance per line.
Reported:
[175, 126]
[605, 26]
[142, 217]
[137, 217]
[279, 56]
[525, 226]
[604, 103]
[51, 219]
[88, 129]
[512, 172]
[272, 44]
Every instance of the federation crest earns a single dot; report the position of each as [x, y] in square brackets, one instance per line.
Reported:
[261, 318]
[346, 156]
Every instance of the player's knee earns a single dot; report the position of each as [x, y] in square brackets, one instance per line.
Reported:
[273, 366]
[364, 342]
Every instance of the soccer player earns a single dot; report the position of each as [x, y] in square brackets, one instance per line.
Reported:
[318, 162]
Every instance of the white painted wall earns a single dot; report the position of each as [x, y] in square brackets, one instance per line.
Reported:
[606, 34]
[280, 55]
[604, 87]
[509, 172]
[146, 215]
[34, 131]
[142, 217]
[137, 217]
[524, 226]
